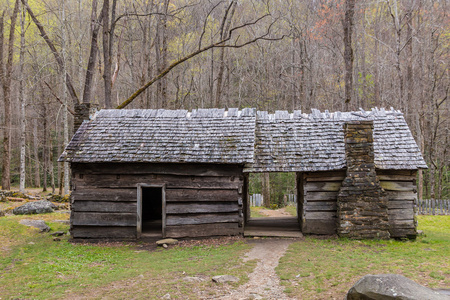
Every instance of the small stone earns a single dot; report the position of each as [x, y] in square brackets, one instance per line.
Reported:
[57, 233]
[420, 232]
[166, 296]
[167, 242]
[165, 246]
[224, 279]
[254, 296]
[39, 224]
[31, 243]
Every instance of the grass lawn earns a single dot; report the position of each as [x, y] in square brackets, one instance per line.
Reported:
[324, 269]
[33, 266]
[254, 212]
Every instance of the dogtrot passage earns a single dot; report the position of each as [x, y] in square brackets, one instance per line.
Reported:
[273, 227]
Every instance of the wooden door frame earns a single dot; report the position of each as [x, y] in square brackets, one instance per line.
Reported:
[139, 207]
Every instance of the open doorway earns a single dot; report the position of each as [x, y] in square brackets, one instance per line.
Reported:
[151, 212]
[272, 204]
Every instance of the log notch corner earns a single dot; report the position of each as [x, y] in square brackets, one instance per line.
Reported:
[362, 210]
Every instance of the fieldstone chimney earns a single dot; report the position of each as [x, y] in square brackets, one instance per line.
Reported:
[362, 204]
[82, 112]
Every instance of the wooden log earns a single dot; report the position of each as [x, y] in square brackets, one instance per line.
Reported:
[321, 206]
[104, 206]
[192, 219]
[401, 214]
[201, 230]
[401, 223]
[396, 177]
[103, 219]
[401, 204]
[396, 172]
[397, 185]
[171, 181]
[87, 232]
[329, 178]
[399, 195]
[175, 195]
[322, 186]
[321, 196]
[104, 194]
[312, 226]
[322, 215]
[309, 175]
[402, 232]
[188, 169]
[188, 208]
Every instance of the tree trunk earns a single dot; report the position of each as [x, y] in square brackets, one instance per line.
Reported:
[65, 111]
[6, 83]
[37, 175]
[22, 103]
[266, 189]
[106, 54]
[348, 23]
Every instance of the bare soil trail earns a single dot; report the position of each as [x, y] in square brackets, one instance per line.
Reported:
[264, 282]
[281, 212]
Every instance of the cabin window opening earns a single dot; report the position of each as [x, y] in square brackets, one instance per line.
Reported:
[152, 209]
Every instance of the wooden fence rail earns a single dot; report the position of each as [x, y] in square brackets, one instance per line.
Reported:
[433, 207]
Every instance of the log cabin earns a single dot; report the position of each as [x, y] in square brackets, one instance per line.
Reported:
[182, 174]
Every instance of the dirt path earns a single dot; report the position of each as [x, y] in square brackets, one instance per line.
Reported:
[281, 212]
[264, 282]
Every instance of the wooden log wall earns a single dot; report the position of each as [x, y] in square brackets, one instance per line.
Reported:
[201, 199]
[317, 202]
[400, 186]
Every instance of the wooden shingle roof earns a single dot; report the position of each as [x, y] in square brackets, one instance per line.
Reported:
[261, 141]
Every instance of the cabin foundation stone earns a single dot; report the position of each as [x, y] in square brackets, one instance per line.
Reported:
[362, 202]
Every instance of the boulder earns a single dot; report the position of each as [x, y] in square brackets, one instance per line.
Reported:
[391, 286]
[224, 278]
[39, 224]
[37, 207]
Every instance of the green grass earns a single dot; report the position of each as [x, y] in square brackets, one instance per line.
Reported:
[314, 268]
[292, 209]
[254, 212]
[36, 267]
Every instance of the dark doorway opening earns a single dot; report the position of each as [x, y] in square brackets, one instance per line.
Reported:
[152, 208]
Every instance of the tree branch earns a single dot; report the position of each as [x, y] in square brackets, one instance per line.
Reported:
[59, 100]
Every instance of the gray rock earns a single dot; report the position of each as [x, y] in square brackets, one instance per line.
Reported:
[167, 242]
[166, 296]
[39, 224]
[390, 287]
[2, 213]
[224, 278]
[37, 207]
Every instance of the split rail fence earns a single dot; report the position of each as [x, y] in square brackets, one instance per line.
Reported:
[433, 207]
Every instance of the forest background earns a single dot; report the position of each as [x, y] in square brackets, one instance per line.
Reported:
[268, 54]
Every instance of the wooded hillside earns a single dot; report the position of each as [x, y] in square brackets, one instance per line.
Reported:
[172, 54]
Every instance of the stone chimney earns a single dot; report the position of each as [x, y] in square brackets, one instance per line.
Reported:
[82, 112]
[362, 204]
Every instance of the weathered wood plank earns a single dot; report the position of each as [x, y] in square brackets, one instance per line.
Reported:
[397, 185]
[104, 194]
[321, 196]
[401, 214]
[396, 177]
[192, 219]
[329, 178]
[203, 230]
[322, 215]
[403, 232]
[319, 226]
[182, 208]
[398, 224]
[103, 219]
[171, 181]
[86, 232]
[408, 195]
[323, 186]
[174, 195]
[321, 206]
[149, 168]
[396, 172]
[401, 204]
[104, 206]
[309, 175]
